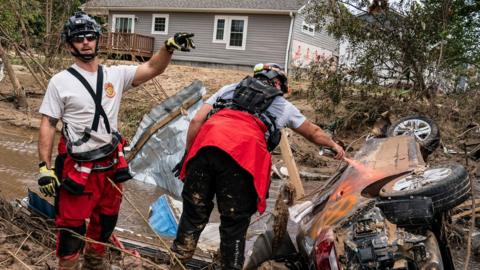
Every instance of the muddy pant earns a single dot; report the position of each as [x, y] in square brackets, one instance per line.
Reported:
[213, 172]
[100, 202]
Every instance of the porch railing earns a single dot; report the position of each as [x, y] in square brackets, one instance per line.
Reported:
[127, 43]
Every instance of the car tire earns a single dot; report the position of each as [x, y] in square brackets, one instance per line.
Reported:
[425, 130]
[447, 186]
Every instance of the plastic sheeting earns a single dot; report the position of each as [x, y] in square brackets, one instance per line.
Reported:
[163, 216]
[154, 162]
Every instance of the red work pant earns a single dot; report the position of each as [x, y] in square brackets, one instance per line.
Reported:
[100, 203]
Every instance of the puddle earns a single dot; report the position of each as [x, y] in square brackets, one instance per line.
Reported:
[18, 172]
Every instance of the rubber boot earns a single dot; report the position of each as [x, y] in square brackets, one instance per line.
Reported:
[175, 265]
[94, 261]
[69, 262]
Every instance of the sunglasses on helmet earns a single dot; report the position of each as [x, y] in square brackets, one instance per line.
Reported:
[80, 38]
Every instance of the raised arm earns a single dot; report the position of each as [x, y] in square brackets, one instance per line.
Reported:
[159, 62]
[153, 67]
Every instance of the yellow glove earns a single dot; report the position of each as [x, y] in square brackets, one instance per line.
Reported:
[180, 41]
[47, 180]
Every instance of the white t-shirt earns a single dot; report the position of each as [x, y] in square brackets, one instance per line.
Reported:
[67, 99]
[286, 114]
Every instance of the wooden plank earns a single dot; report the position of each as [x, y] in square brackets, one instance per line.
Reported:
[152, 129]
[291, 166]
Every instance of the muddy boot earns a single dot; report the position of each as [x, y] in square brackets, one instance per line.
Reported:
[182, 254]
[174, 265]
[93, 261]
[69, 262]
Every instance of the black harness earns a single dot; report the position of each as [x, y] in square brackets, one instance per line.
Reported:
[99, 111]
[254, 97]
[97, 97]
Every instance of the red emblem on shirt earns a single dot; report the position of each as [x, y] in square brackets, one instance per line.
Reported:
[109, 91]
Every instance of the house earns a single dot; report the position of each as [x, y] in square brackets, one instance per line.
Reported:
[240, 33]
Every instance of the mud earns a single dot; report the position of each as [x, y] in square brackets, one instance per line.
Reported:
[18, 157]
[18, 161]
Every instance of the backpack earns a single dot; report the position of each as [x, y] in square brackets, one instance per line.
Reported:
[253, 96]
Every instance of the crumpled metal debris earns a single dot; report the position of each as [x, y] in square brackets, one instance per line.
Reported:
[155, 160]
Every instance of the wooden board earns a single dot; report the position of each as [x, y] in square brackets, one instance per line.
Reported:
[291, 166]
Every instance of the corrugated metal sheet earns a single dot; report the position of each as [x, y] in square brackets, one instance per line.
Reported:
[154, 162]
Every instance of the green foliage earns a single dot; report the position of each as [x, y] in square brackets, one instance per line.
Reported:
[326, 86]
[8, 21]
[413, 41]
[33, 15]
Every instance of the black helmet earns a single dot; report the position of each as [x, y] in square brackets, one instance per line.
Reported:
[78, 24]
[81, 24]
[271, 71]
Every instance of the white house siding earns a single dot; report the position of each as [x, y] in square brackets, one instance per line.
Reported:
[267, 37]
[305, 47]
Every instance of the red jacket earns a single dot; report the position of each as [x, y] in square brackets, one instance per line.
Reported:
[242, 136]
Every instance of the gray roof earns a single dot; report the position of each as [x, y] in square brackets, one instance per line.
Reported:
[267, 5]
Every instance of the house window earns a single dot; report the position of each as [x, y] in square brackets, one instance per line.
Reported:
[308, 29]
[231, 30]
[160, 24]
[220, 32]
[123, 23]
[219, 28]
[236, 33]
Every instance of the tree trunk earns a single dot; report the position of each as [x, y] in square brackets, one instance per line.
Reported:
[34, 74]
[48, 17]
[18, 90]
[26, 38]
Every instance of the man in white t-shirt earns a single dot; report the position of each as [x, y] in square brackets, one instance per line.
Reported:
[227, 156]
[86, 98]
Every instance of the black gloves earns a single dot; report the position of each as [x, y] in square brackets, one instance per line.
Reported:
[180, 41]
[178, 168]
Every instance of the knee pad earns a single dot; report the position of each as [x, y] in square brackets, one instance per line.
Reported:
[107, 224]
[68, 243]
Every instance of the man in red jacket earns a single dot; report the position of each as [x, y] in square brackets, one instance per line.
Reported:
[228, 155]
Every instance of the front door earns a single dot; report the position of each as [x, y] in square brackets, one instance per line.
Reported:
[123, 27]
[123, 23]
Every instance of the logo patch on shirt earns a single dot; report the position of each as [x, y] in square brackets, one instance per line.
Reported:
[109, 91]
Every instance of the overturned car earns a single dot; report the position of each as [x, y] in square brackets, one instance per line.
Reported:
[384, 210]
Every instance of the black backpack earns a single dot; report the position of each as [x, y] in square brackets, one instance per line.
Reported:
[254, 97]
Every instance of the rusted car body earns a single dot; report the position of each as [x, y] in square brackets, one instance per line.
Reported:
[347, 226]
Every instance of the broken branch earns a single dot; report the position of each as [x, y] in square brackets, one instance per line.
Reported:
[18, 259]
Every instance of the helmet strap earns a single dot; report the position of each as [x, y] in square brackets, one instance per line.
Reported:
[86, 58]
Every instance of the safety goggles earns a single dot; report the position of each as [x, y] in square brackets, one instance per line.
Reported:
[81, 38]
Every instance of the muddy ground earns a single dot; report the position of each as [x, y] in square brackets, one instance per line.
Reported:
[18, 138]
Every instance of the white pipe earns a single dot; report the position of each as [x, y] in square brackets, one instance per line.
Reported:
[290, 32]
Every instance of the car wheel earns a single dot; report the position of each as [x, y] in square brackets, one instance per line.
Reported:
[424, 129]
[448, 186]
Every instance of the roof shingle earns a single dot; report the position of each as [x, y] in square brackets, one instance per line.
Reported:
[283, 5]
